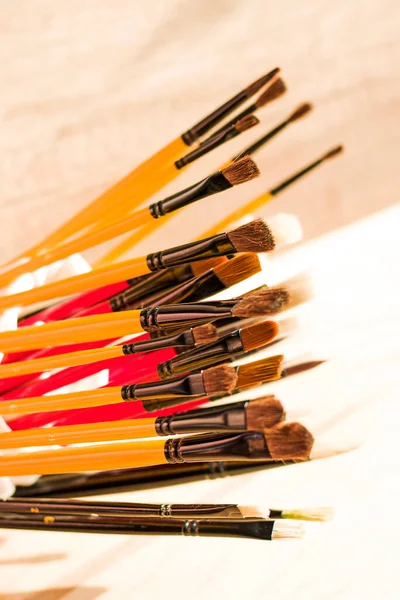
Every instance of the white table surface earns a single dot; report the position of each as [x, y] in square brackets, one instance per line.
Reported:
[353, 398]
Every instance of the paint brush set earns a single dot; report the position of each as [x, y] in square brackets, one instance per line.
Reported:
[174, 353]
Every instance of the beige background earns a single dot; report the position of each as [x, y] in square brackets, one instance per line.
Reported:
[90, 88]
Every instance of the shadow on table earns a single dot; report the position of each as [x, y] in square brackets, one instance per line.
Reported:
[31, 560]
[72, 593]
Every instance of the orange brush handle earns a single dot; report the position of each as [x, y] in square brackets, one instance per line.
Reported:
[79, 283]
[133, 188]
[71, 331]
[59, 361]
[86, 399]
[120, 455]
[79, 434]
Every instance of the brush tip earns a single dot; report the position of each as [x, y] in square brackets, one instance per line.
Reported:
[258, 335]
[264, 413]
[274, 91]
[202, 266]
[289, 441]
[257, 85]
[246, 123]
[286, 229]
[239, 268]
[205, 334]
[261, 303]
[334, 152]
[259, 371]
[319, 513]
[300, 112]
[255, 236]
[287, 531]
[240, 171]
[220, 380]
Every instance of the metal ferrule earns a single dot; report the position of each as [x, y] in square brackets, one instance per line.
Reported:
[213, 184]
[261, 141]
[207, 146]
[198, 130]
[225, 128]
[249, 445]
[207, 355]
[196, 289]
[181, 387]
[151, 284]
[179, 315]
[217, 418]
[184, 339]
[216, 245]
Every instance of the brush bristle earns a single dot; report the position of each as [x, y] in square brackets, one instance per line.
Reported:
[238, 269]
[309, 514]
[334, 152]
[259, 371]
[258, 335]
[300, 290]
[286, 229]
[255, 236]
[263, 302]
[205, 334]
[289, 441]
[241, 171]
[257, 85]
[264, 413]
[286, 531]
[300, 112]
[198, 268]
[275, 90]
[220, 380]
[246, 123]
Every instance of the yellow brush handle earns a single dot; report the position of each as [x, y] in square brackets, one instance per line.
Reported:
[71, 331]
[86, 399]
[242, 211]
[122, 455]
[79, 434]
[79, 245]
[136, 180]
[59, 361]
[127, 269]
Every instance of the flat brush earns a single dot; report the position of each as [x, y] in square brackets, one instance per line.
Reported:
[203, 334]
[260, 529]
[221, 350]
[46, 506]
[274, 91]
[216, 381]
[98, 327]
[285, 441]
[207, 283]
[229, 133]
[251, 415]
[140, 180]
[251, 237]
[138, 287]
[239, 172]
[253, 205]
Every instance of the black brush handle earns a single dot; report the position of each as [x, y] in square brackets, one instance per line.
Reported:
[231, 417]
[182, 339]
[242, 446]
[158, 392]
[249, 528]
[213, 184]
[181, 315]
[207, 146]
[215, 353]
[217, 245]
[43, 506]
[261, 141]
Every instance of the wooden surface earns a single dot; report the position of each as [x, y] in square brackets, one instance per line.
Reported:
[88, 90]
